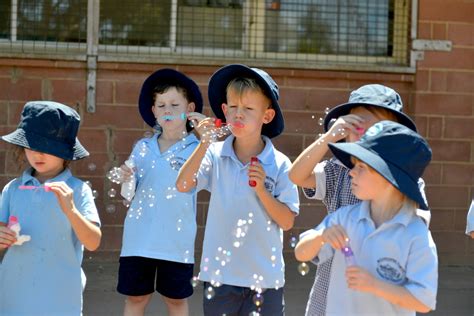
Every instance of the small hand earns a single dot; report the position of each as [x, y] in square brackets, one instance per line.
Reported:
[7, 237]
[195, 118]
[360, 279]
[344, 125]
[206, 129]
[64, 194]
[126, 173]
[335, 236]
[257, 174]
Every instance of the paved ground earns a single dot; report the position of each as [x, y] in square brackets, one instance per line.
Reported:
[455, 293]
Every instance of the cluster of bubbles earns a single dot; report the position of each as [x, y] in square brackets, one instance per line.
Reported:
[241, 230]
[216, 133]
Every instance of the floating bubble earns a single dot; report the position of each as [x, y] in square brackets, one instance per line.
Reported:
[148, 134]
[88, 183]
[112, 193]
[293, 241]
[179, 225]
[95, 194]
[91, 166]
[126, 203]
[209, 292]
[312, 116]
[110, 208]
[321, 121]
[254, 313]
[303, 268]
[257, 299]
[194, 281]
[326, 110]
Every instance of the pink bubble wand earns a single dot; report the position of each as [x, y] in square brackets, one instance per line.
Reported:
[45, 187]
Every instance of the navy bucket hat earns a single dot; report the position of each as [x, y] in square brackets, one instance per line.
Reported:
[171, 77]
[375, 95]
[51, 128]
[217, 92]
[396, 152]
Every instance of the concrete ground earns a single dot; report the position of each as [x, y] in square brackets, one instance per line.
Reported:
[455, 292]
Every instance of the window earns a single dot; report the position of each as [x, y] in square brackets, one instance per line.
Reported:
[296, 33]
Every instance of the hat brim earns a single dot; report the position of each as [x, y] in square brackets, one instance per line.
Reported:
[45, 145]
[344, 109]
[166, 76]
[392, 173]
[218, 95]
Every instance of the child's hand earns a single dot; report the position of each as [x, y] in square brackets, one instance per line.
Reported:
[257, 174]
[205, 129]
[7, 237]
[360, 280]
[335, 236]
[195, 118]
[64, 194]
[344, 125]
[126, 173]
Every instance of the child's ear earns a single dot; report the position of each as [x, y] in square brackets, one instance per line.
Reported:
[191, 107]
[153, 110]
[224, 108]
[268, 116]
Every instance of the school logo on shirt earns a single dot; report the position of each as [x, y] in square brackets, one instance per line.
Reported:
[269, 184]
[177, 162]
[391, 270]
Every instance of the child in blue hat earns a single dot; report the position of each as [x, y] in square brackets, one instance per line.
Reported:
[252, 200]
[43, 275]
[329, 180]
[160, 226]
[384, 258]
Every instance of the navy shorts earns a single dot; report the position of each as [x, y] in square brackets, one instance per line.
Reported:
[137, 277]
[235, 300]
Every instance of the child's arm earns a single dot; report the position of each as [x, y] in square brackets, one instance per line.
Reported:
[186, 180]
[87, 232]
[7, 236]
[302, 170]
[309, 246]
[360, 280]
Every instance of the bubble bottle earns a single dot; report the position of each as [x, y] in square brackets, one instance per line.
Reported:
[14, 225]
[348, 255]
[128, 187]
[253, 161]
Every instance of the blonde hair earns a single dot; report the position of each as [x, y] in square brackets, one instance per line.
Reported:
[381, 113]
[241, 85]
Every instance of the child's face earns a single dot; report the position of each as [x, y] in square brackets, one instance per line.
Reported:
[247, 112]
[46, 166]
[368, 119]
[366, 183]
[169, 108]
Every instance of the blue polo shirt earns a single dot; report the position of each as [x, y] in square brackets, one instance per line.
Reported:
[242, 244]
[43, 276]
[401, 251]
[161, 222]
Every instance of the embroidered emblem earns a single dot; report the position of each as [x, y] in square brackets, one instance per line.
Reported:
[177, 162]
[269, 184]
[390, 270]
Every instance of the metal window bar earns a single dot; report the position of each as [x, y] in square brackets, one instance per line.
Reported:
[286, 33]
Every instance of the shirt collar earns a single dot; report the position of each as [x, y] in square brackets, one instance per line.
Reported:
[403, 217]
[28, 178]
[183, 143]
[267, 156]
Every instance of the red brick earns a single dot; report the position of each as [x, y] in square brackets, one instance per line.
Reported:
[127, 92]
[111, 238]
[424, 30]
[422, 82]
[316, 82]
[443, 104]
[54, 73]
[290, 145]
[319, 99]
[308, 73]
[457, 58]
[450, 150]
[131, 75]
[310, 215]
[459, 128]
[435, 127]
[442, 220]
[301, 123]
[21, 90]
[461, 34]
[94, 140]
[458, 174]
[450, 242]
[460, 81]
[293, 98]
[432, 174]
[440, 10]
[114, 116]
[99, 161]
[123, 141]
[69, 91]
[439, 31]
[438, 81]
[460, 216]
[446, 196]
[104, 92]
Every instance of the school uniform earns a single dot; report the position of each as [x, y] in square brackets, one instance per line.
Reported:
[43, 276]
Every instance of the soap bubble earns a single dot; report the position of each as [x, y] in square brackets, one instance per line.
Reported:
[321, 121]
[293, 241]
[209, 292]
[91, 166]
[257, 299]
[112, 193]
[95, 194]
[303, 268]
[110, 208]
[326, 110]
[194, 281]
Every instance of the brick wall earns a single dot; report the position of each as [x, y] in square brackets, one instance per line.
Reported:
[439, 96]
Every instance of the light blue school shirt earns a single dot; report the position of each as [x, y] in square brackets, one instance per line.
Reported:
[161, 222]
[44, 276]
[242, 244]
[401, 251]
[470, 219]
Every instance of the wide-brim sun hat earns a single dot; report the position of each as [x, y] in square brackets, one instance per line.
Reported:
[217, 92]
[51, 128]
[396, 152]
[171, 77]
[375, 95]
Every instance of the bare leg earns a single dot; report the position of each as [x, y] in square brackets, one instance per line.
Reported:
[135, 305]
[176, 307]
